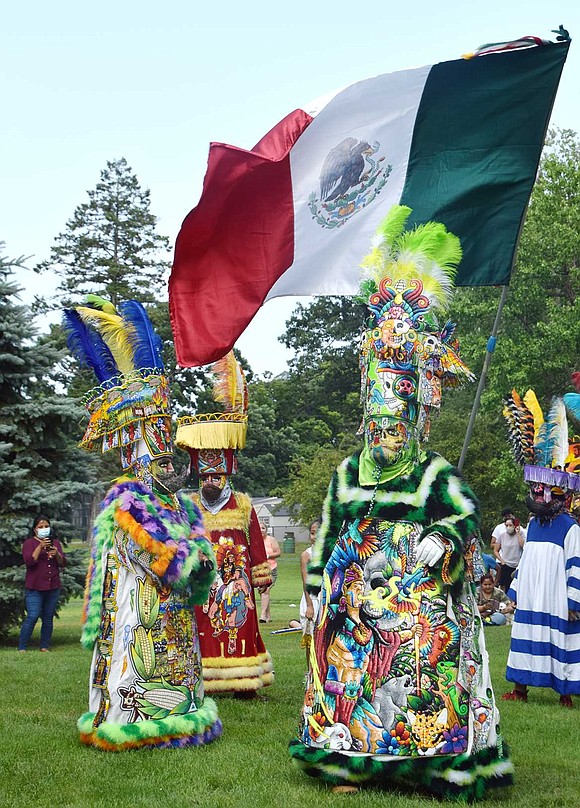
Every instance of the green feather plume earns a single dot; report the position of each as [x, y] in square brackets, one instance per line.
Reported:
[427, 252]
[100, 303]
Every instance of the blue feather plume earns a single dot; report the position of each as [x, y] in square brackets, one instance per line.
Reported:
[88, 346]
[572, 402]
[146, 344]
[551, 447]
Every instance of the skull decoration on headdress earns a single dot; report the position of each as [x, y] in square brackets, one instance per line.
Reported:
[406, 357]
[129, 410]
[542, 446]
[213, 439]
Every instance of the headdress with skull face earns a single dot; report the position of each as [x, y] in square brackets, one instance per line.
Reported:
[405, 355]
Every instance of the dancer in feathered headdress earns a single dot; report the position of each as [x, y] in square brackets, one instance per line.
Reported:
[379, 705]
[150, 557]
[546, 586]
[234, 655]
[406, 356]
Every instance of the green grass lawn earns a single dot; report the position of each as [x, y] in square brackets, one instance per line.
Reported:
[42, 763]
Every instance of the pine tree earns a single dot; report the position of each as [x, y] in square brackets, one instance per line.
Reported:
[110, 246]
[41, 470]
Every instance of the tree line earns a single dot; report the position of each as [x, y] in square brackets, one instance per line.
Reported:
[302, 422]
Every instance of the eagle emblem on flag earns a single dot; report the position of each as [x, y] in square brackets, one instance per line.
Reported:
[351, 177]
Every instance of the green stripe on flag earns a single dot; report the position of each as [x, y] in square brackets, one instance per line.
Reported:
[475, 152]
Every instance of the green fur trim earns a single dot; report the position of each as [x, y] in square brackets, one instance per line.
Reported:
[433, 495]
[149, 732]
[461, 777]
[103, 533]
[200, 578]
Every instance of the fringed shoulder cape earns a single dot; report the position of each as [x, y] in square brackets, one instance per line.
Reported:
[151, 562]
[398, 689]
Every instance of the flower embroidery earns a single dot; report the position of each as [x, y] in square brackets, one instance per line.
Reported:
[455, 740]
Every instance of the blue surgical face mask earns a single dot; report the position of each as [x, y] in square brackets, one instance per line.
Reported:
[43, 532]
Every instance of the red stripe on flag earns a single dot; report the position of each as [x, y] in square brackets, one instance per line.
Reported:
[235, 244]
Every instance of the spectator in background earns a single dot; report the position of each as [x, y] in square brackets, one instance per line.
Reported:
[44, 558]
[490, 562]
[508, 551]
[272, 553]
[492, 602]
[507, 513]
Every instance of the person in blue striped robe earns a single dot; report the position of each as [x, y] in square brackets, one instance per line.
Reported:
[545, 642]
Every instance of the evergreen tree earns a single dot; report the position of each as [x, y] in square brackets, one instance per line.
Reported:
[110, 246]
[41, 470]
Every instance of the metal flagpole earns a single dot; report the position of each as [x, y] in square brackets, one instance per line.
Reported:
[489, 351]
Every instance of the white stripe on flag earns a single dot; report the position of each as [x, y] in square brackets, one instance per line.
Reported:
[382, 111]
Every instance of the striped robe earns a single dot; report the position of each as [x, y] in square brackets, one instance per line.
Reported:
[545, 644]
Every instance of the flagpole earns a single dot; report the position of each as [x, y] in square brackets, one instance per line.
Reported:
[491, 342]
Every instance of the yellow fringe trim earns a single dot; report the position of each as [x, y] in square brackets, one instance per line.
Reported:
[163, 553]
[232, 662]
[217, 430]
[261, 574]
[227, 518]
[242, 672]
[223, 685]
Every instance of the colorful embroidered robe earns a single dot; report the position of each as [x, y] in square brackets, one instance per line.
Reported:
[398, 688]
[146, 573]
[234, 655]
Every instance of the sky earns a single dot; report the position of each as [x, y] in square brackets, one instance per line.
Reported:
[155, 83]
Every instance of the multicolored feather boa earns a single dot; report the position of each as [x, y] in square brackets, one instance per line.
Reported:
[174, 537]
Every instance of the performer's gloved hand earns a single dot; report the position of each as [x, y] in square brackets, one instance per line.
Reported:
[430, 550]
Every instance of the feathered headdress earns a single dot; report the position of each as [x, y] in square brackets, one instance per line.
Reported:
[406, 357]
[540, 443]
[212, 439]
[129, 410]
[572, 402]
[413, 267]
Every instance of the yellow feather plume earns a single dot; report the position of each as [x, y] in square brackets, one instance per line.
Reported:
[533, 406]
[230, 387]
[115, 331]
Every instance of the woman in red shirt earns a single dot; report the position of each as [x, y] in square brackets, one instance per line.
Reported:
[44, 557]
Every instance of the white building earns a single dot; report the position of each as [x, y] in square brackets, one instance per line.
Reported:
[279, 520]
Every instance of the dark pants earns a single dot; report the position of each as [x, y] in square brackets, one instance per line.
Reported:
[504, 577]
[43, 605]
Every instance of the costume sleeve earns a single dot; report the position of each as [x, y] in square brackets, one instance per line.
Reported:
[203, 568]
[330, 526]
[260, 569]
[453, 511]
[572, 556]
[172, 560]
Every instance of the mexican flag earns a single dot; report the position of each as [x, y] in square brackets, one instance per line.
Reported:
[459, 142]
